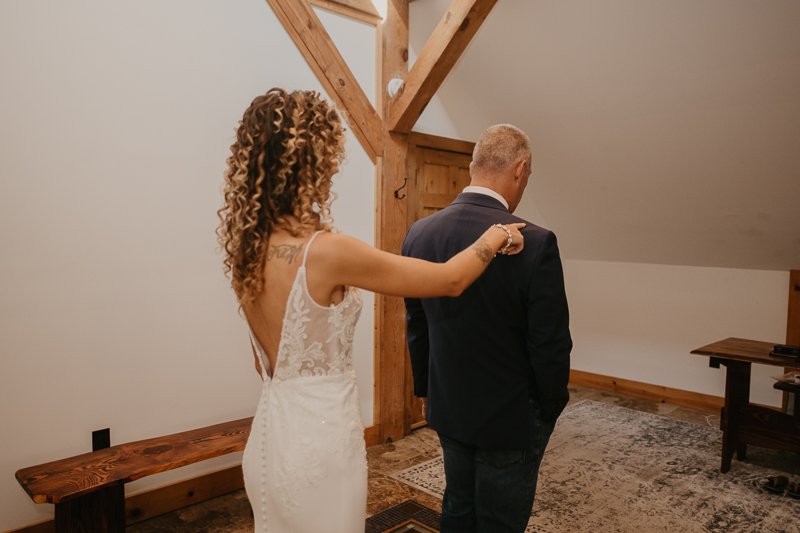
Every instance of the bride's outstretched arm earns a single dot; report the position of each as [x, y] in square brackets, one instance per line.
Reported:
[353, 263]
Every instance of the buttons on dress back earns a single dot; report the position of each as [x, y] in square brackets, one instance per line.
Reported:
[262, 448]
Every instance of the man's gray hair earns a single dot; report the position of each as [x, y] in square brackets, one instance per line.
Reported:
[500, 147]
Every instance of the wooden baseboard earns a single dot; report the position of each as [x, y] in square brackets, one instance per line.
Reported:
[46, 526]
[372, 435]
[694, 400]
[152, 503]
[162, 500]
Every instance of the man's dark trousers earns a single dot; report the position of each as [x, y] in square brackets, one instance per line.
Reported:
[493, 363]
[492, 491]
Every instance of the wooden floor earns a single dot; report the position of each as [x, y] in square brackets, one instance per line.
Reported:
[231, 513]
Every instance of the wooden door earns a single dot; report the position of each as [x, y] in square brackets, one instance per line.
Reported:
[435, 177]
[439, 177]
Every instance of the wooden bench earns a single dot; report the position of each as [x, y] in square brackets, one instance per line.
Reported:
[88, 490]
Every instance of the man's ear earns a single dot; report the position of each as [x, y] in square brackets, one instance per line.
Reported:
[519, 170]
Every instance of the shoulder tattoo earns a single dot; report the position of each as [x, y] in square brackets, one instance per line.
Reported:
[288, 252]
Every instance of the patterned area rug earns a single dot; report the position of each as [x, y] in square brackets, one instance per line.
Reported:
[611, 469]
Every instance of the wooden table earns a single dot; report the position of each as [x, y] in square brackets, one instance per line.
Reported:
[743, 423]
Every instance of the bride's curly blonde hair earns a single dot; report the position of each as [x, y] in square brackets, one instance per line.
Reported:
[288, 146]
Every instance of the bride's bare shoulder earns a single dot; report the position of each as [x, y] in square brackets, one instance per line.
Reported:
[332, 246]
[329, 237]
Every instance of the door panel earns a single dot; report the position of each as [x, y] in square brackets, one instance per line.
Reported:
[438, 177]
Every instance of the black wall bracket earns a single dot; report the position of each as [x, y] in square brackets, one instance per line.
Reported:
[101, 439]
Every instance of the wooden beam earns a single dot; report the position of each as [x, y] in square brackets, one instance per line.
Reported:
[441, 143]
[307, 32]
[392, 308]
[364, 6]
[343, 8]
[392, 210]
[448, 42]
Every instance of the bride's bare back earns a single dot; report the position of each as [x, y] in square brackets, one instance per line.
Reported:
[284, 258]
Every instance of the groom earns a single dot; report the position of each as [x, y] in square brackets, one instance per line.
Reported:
[491, 365]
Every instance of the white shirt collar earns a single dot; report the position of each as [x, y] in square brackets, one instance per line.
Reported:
[488, 192]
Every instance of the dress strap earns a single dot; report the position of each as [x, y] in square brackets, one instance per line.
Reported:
[308, 245]
[262, 356]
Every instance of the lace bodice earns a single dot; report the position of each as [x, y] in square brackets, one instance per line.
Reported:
[315, 340]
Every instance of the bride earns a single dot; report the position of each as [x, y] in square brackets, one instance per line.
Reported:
[297, 283]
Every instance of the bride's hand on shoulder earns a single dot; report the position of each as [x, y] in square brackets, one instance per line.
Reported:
[517, 239]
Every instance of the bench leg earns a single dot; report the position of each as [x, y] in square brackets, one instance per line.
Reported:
[102, 511]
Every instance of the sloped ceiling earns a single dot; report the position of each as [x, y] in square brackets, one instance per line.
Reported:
[663, 132]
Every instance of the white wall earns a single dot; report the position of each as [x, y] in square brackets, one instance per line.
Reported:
[640, 321]
[115, 122]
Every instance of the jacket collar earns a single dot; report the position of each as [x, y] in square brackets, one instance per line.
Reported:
[476, 198]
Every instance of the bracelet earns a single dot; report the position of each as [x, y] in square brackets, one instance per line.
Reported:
[504, 249]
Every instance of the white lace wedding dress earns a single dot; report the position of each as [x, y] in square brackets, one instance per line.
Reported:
[305, 467]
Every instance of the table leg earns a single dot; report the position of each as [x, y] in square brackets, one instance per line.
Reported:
[737, 393]
[101, 511]
[741, 451]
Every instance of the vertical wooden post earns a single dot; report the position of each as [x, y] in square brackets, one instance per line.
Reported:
[793, 324]
[394, 64]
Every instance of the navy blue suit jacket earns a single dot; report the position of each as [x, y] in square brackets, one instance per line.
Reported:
[479, 357]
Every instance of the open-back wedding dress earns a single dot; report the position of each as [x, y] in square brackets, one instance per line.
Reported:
[305, 467]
